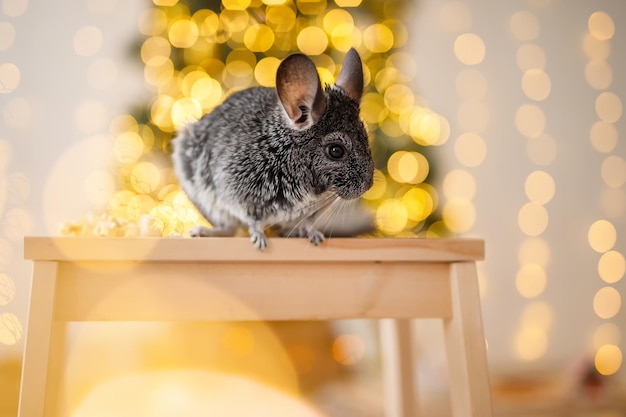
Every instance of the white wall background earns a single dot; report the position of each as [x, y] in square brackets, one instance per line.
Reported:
[65, 76]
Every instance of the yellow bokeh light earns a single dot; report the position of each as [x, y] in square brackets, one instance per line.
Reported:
[234, 21]
[348, 3]
[470, 149]
[469, 49]
[536, 84]
[312, 41]
[611, 267]
[455, 16]
[186, 110]
[530, 120]
[530, 56]
[152, 22]
[238, 74]
[398, 98]
[541, 149]
[607, 333]
[145, 177]
[407, 167]
[160, 74]
[336, 17]
[471, 84]
[428, 128]
[258, 38]
[165, 2]
[609, 107]
[604, 137]
[596, 49]
[9, 77]
[88, 41]
[613, 171]
[265, 71]
[236, 4]
[155, 51]
[312, 7]
[183, 33]
[348, 349]
[379, 187]
[524, 26]
[7, 289]
[539, 187]
[602, 236]
[531, 280]
[208, 92]
[391, 217]
[538, 314]
[373, 108]
[459, 215]
[598, 74]
[601, 26]
[608, 359]
[460, 184]
[128, 147]
[473, 116]
[378, 38]
[419, 203]
[532, 219]
[280, 18]
[345, 36]
[607, 302]
[531, 343]
[11, 329]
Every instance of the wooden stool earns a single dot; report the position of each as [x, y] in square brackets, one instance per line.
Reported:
[104, 279]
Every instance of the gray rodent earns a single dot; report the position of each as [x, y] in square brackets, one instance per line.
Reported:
[278, 157]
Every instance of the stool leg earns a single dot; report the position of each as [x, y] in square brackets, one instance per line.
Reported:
[397, 367]
[465, 343]
[43, 345]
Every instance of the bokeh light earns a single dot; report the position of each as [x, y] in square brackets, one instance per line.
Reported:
[607, 302]
[536, 84]
[88, 41]
[541, 149]
[606, 333]
[613, 171]
[348, 349]
[470, 149]
[469, 49]
[9, 78]
[530, 56]
[604, 136]
[530, 120]
[524, 26]
[533, 219]
[601, 26]
[608, 359]
[609, 107]
[539, 187]
[611, 267]
[7, 35]
[602, 236]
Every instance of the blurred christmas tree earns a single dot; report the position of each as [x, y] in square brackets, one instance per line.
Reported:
[196, 53]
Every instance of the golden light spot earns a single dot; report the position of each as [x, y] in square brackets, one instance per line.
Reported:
[90, 116]
[539, 187]
[460, 184]
[608, 359]
[208, 23]
[378, 38]
[459, 215]
[348, 349]
[614, 171]
[531, 280]
[238, 341]
[159, 75]
[7, 289]
[602, 236]
[611, 267]
[274, 2]
[311, 7]
[538, 314]
[207, 91]
[408, 167]
[534, 250]
[531, 343]
[152, 21]
[428, 128]
[238, 74]
[606, 334]
[236, 4]
[102, 74]
[419, 203]
[455, 16]
[11, 329]
[9, 78]
[471, 84]
[280, 18]
[348, 3]
[405, 64]
[530, 56]
[378, 188]
[469, 49]
[596, 49]
[312, 41]
[609, 107]
[473, 116]
[604, 136]
[17, 113]
[123, 123]
[530, 120]
[336, 17]
[607, 302]
[233, 22]
[14, 8]
[345, 36]
[186, 110]
[155, 51]
[88, 41]
[183, 33]
[470, 149]
[391, 217]
[598, 74]
[536, 84]
[373, 108]
[524, 26]
[398, 98]
[165, 2]
[541, 150]
[613, 202]
[258, 38]
[532, 219]
[145, 177]
[601, 26]
[7, 35]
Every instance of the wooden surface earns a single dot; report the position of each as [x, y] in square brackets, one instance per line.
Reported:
[241, 250]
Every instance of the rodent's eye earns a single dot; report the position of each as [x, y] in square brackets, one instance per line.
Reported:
[335, 151]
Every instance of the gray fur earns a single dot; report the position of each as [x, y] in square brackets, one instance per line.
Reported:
[248, 163]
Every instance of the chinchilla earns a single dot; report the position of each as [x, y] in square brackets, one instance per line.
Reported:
[278, 157]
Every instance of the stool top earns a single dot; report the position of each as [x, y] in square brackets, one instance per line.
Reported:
[239, 249]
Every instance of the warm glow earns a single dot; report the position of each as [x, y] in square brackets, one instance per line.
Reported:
[530, 120]
[530, 56]
[607, 333]
[524, 26]
[536, 84]
[601, 26]
[469, 49]
[607, 302]
[312, 41]
[534, 250]
[613, 171]
[459, 183]
[602, 236]
[9, 77]
[391, 216]
[7, 289]
[11, 329]
[348, 349]
[611, 267]
[378, 38]
[539, 187]
[531, 280]
[531, 343]
[609, 107]
[459, 215]
[599, 74]
[533, 219]
[470, 149]
[608, 359]
[604, 137]
[541, 149]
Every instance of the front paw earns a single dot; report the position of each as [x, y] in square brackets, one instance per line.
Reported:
[258, 239]
[315, 237]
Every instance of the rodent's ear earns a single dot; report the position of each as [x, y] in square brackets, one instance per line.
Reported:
[350, 78]
[300, 91]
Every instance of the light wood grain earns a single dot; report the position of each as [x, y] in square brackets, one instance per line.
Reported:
[396, 350]
[241, 250]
